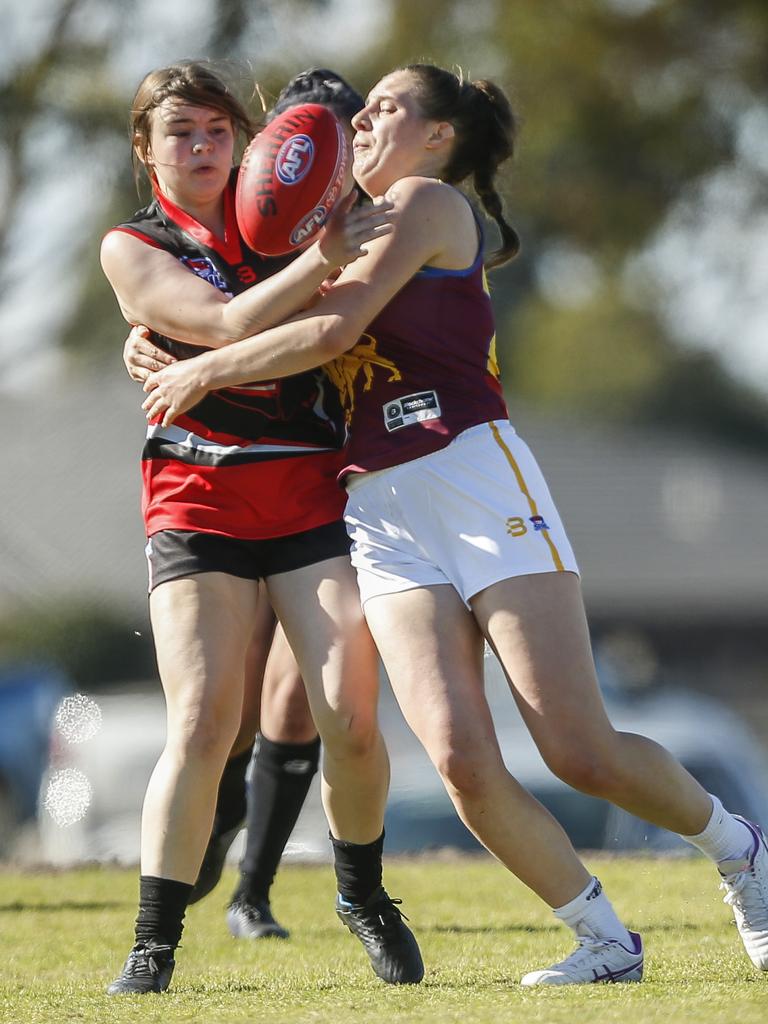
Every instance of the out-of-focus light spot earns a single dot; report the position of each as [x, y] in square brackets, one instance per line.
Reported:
[752, 137]
[68, 796]
[708, 265]
[663, 88]
[567, 277]
[78, 718]
[631, 8]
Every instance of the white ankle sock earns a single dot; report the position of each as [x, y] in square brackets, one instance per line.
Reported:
[591, 914]
[724, 838]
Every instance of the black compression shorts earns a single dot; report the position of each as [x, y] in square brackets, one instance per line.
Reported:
[174, 554]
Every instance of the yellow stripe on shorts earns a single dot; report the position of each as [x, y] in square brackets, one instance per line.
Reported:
[524, 489]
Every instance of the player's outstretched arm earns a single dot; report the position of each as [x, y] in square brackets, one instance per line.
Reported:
[154, 288]
[424, 230]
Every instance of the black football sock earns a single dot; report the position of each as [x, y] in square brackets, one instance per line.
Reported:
[358, 868]
[162, 905]
[231, 801]
[282, 774]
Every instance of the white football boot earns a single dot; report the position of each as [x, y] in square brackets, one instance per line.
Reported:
[746, 891]
[594, 960]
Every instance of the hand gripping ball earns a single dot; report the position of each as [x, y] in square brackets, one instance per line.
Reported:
[290, 178]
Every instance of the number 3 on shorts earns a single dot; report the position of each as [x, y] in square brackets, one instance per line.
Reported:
[516, 526]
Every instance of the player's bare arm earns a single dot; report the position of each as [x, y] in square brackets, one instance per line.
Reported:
[154, 289]
[425, 234]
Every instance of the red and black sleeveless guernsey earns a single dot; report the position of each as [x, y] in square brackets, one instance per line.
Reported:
[251, 462]
[424, 371]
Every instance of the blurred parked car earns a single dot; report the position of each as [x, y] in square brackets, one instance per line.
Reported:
[29, 695]
[715, 745]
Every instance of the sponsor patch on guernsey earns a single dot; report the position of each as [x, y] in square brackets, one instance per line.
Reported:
[403, 412]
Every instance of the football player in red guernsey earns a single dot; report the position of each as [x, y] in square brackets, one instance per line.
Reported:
[455, 535]
[241, 490]
[287, 753]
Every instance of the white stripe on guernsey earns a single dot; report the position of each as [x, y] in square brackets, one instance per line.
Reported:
[175, 435]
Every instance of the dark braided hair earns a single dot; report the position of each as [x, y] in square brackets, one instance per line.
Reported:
[319, 85]
[485, 128]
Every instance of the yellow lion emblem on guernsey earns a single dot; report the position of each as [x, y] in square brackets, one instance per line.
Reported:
[344, 371]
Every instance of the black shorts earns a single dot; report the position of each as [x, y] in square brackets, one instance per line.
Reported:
[174, 554]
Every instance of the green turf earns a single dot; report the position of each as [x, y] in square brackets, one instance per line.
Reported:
[63, 936]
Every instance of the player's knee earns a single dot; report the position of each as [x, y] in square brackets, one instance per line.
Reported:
[579, 766]
[464, 775]
[351, 737]
[203, 735]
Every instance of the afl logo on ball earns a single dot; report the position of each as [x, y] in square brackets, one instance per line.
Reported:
[294, 159]
[308, 225]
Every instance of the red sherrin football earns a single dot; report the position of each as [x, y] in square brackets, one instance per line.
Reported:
[291, 176]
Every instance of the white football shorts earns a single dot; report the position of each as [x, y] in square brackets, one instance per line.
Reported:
[471, 514]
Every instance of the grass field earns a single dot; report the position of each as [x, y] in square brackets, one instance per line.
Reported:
[63, 937]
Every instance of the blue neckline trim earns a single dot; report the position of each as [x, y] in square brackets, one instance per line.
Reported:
[443, 271]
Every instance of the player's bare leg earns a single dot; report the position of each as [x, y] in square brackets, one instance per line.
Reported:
[319, 608]
[432, 650]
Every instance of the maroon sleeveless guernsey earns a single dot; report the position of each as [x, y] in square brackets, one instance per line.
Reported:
[251, 462]
[424, 371]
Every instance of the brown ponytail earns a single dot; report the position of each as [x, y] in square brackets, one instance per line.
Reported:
[485, 127]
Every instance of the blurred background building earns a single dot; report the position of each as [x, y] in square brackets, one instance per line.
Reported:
[632, 330]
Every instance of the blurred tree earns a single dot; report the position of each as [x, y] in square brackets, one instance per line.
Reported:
[626, 106]
[22, 97]
[62, 113]
[92, 644]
